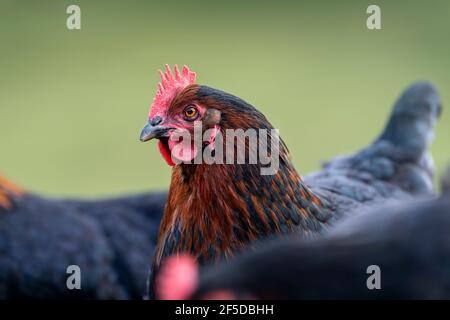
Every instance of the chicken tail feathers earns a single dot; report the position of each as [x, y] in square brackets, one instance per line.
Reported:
[411, 125]
[403, 145]
[399, 156]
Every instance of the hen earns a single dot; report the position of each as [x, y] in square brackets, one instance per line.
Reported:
[213, 210]
[110, 240]
[409, 242]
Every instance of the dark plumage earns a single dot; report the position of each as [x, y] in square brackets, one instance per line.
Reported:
[410, 243]
[111, 240]
[215, 210]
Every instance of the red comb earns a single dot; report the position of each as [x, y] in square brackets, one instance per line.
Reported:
[169, 86]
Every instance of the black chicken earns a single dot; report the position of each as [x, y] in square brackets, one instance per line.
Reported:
[111, 240]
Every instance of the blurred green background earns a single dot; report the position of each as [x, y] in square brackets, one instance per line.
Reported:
[72, 103]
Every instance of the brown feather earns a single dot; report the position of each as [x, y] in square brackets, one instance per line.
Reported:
[214, 210]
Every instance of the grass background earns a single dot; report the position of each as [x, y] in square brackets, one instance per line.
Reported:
[72, 103]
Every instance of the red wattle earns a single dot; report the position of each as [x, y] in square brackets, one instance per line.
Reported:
[165, 153]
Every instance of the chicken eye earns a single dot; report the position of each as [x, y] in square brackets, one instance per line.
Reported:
[190, 113]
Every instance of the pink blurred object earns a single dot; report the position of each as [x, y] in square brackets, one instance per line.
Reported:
[178, 278]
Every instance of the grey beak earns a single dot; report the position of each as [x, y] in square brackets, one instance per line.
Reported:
[150, 132]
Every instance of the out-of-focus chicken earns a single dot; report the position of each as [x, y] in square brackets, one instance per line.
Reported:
[111, 241]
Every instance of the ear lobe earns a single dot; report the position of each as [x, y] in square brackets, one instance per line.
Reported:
[212, 118]
[211, 121]
[212, 137]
